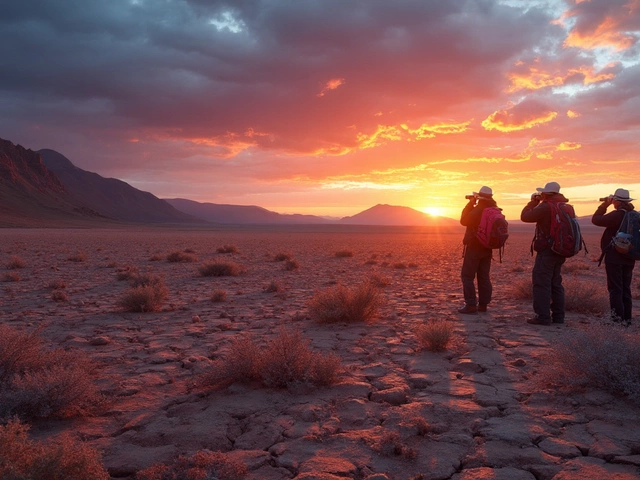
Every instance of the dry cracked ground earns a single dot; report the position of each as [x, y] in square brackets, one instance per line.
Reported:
[474, 411]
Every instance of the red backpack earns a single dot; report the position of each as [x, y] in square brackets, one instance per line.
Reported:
[564, 237]
[493, 230]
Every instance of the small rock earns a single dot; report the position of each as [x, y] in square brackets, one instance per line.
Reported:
[195, 319]
[101, 340]
[520, 362]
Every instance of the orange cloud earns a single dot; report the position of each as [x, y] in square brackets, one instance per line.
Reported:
[569, 146]
[610, 32]
[518, 118]
[536, 78]
[387, 133]
[572, 114]
[331, 85]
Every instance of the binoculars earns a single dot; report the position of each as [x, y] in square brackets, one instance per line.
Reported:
[606, 198]
[469, 197]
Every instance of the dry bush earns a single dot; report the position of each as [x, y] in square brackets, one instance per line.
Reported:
[15, 263]
[59, 296]
[400, 265]
[343, 304]
[273, 287]
[371, 262]
[78, 257]
[57, 284]
[390, 444]
[202, 465]
[36, 382]
[227, 249]
[291, 264]
[522, 289]
[221, 269]
[598, 356]
[282, 256]
[435, 335]
[127, 272]
[11, 277]
[218, 296]
[285, 361]
[575, 266]
[181, 257]
[343, 254]
[60, 459]
[379, 280]
[585, 296]
[156, 257]
[147, 294]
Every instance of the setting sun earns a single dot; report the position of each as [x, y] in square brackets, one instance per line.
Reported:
[433, 211]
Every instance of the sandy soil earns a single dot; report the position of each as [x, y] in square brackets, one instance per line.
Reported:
[486, 418]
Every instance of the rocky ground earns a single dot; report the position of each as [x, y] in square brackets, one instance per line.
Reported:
[398, 411]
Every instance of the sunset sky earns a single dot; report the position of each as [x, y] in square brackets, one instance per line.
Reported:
[329, 107]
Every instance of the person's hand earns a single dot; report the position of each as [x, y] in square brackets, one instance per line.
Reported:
[607, 201]
[536, 197]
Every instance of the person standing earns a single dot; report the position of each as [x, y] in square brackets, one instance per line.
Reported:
[477, 258]
[548, 291]
[618, 266]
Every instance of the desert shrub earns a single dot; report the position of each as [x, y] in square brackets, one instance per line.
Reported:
[221, 269]
[15, 263]
[575, 266]
[285, 361]
[11, 277]
[371, 261]
[37, 382]
[227, 249]
[203, 465]
[522, 289]
[218, 296]
[379, 280]
[413, 265]
[598, 356]
[343, 254]
[435, 335]
[282, 256]
[400, 265]
[60, 459]
[78, 257]
[273, 287]
[156, 257]
[127, 272]
[344, 304]
[291, 264]
[585, 296]
[181, 257]
[59, 296]
[146, 294]
[57, 284]
[390, 444]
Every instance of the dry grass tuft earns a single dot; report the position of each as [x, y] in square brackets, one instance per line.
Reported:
[343, 304]
[435, 335]
[11, 277]
[379, 280]
[291, 264]
[400, 265]
[227, 249]
[343, 254]
[64, 458]
[146, 294]
[218, 296]
[585, 296]
[285, 361]
[78, 257]
[127, 272]
[575, 266]
[202, 465]
[181, 257]
[274, 287]
[221, 269]
[59, 296]
[57, 284]
[282, 256]
[390, 444]
[15, 263]
[521, 289]
[598, 356]
[37, 382]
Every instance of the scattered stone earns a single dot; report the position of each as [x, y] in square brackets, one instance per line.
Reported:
[98, 341]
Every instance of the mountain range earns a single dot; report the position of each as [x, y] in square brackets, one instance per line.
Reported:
[46, 189]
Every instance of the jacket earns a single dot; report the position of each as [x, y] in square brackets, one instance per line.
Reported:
[540, 213]
[470, 218]
[611, 221]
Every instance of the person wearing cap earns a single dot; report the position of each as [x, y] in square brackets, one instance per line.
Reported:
[619, 267]
[548, 292]
[477, 258]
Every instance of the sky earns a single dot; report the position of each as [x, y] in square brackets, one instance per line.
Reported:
[329, 107]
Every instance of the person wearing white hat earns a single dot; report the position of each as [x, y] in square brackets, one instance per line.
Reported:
[619, 267]
[477, 258]
[548, 291]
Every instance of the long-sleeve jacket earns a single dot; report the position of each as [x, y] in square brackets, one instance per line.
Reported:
[611, 221]
[540, 213]
[470, 218]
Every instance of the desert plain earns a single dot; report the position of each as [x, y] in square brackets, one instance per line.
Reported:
[396, 411]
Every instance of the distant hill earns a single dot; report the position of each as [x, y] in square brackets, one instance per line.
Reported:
[241, 214]
[396, 215]
[111, 197]
[33, 196]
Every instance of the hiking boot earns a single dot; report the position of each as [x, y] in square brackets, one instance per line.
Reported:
[468, 309]
[537, 321]
[558, 320]
[482, 308]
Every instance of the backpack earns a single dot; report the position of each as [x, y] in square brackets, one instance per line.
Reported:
[493, 229]
[627, 240]
[565, 238]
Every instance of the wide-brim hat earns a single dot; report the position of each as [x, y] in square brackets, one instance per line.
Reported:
[484, 192]
[622, 195]
[551, 187]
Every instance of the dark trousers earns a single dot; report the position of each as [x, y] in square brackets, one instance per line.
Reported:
[548, 292]
[619, 286]
[476, 263]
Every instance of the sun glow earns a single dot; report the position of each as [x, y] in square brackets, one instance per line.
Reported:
[433, 211]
